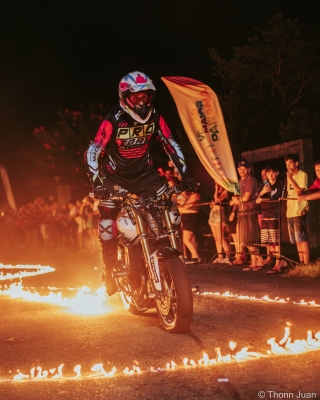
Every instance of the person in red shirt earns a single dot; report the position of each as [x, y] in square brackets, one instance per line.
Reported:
[313, 192]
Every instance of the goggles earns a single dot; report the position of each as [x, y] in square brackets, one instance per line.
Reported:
[138, 98]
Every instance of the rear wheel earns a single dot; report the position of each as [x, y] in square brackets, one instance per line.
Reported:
[175, 306]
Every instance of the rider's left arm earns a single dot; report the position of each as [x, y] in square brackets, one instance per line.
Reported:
[171, 147]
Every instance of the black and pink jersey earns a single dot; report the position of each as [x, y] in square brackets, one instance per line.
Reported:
[121, 146]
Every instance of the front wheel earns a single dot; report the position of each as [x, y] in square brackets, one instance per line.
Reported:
[175, 305]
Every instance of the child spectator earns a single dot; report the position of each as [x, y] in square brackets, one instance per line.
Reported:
[270, 217]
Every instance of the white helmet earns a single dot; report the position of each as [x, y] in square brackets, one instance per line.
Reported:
[133, 83]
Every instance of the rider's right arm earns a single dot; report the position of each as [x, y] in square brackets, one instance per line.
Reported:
[91, 155]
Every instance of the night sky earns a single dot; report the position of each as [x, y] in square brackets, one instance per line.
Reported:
[56, 54]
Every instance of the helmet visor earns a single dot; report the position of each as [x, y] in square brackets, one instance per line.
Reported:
[139, 98]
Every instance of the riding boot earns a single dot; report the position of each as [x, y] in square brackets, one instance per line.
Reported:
[110, 259]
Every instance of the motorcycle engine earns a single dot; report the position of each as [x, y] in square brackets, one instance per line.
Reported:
[125, 225]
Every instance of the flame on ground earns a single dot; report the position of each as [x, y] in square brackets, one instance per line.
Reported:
[22, 271]
[284, 347]
[83, 302]
[266, 298]
[86, 301]
[92, 303]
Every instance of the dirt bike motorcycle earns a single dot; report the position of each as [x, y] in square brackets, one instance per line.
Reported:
[150, 272]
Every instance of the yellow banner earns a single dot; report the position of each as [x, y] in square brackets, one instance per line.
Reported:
[202, 118]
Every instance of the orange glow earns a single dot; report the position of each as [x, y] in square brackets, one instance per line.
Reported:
[83, 302]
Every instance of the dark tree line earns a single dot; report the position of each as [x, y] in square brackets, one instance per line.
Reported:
[271, 86]
[64, 144]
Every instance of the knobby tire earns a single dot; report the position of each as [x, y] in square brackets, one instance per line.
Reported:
[175, 308]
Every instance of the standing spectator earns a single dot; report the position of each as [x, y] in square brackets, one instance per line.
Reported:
[87, 212]
[264, 176]
[30, 225]
[190, 223]
[264, 181]
[313, 192]
[172, 181]
[233, 230]
[53, 225]
[297, 211]
[218, 224]
[72, 225]
[61, 221]
[161, 172]
[270, 221]
[42, 211]
[76, 223]
[247, 224]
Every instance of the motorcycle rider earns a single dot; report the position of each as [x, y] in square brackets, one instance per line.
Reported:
[119, 156]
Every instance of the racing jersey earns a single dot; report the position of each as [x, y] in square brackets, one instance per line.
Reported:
[121, 146]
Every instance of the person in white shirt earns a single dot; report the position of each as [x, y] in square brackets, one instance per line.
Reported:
[297, 211]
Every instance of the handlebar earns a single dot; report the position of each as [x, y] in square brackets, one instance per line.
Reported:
[123, 194]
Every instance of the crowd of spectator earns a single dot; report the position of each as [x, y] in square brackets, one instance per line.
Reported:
[43, 224]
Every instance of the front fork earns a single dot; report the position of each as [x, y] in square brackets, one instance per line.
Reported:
[171, 232]
[151, 260]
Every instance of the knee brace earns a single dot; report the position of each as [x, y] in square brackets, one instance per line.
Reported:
[107, 229]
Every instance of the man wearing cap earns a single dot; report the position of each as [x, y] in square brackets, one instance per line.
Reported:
[247, 225]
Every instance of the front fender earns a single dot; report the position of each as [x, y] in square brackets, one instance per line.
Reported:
[168, 252]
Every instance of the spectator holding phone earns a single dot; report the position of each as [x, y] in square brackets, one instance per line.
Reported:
[270, 217]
